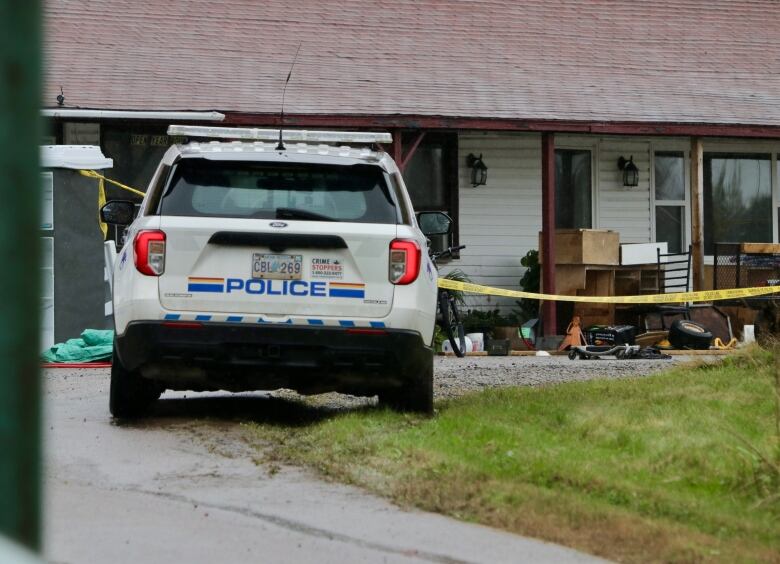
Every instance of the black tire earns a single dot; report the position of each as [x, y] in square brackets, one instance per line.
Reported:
[416, 396]
[573, 354]
[453, 327]
[130, 395]
[685, 334]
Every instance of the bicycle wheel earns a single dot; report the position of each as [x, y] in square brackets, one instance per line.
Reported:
[452, 324]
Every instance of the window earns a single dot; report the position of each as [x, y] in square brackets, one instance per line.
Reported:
[573, 194]
[737, 198]
[431, 177]
[47, 200]
[136, 150]
[202, 187]
[47, 292]
[670, 199]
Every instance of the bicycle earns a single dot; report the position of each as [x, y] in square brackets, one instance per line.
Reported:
[449, 316]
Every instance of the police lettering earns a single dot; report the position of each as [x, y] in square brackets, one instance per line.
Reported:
[257, 286]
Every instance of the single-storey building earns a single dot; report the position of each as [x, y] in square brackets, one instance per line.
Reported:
[550, 96]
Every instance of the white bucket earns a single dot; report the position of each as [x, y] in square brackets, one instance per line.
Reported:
[446, 346]
[478, 340]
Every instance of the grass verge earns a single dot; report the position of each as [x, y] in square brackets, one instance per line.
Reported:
[682, 466]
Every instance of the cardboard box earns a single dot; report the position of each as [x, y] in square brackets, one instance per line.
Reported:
[585, 246]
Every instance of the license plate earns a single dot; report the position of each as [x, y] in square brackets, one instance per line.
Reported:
[277, 267]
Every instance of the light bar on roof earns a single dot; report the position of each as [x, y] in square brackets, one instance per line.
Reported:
[289, 135]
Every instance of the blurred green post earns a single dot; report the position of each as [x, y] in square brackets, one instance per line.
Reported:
[20, 387]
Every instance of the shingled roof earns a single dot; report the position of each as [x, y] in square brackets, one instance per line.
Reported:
[657, 61]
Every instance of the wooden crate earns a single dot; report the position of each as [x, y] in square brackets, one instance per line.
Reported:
[585, 246]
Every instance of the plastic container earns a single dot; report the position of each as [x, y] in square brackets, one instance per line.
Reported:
[477, 340]
[447, 347]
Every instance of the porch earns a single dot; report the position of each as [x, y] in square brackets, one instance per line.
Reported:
[690, 191]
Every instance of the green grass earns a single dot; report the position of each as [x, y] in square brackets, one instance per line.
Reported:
[682, 466]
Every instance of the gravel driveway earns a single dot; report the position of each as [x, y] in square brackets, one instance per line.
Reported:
[456, 376]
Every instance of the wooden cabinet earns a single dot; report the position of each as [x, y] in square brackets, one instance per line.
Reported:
[600, 280]
[587, 264]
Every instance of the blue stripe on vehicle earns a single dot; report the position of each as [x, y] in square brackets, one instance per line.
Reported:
[261, 320]
[346, 323]
[315, 322]
[172, 316]
[377, 324]
[345, 293]
[215, 288]
[202, 318]
[234, 318]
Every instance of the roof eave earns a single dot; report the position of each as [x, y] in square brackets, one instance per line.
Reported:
[399, 121]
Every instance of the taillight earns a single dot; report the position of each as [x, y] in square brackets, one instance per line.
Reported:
[149, 247]
[404, 261]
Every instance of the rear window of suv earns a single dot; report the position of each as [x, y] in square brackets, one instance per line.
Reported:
[205, 188]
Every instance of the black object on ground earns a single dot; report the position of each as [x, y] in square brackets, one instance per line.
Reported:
[618, 351]
[497, 347]
[686, 334]
[610, 335]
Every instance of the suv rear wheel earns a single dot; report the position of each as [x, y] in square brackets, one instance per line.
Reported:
[130, 395]
[416, 396]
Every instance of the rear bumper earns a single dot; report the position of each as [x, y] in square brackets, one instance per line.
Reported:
[246, 357]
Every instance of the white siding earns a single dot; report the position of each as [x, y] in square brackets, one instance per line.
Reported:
[626, 210]
[499, 222]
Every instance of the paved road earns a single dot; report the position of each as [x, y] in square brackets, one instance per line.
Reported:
[183, 486]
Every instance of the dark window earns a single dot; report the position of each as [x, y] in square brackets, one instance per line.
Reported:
[669, 175]
[431, 177]
[201, 187]
[136, 150]
[573, 205]
[669, 226]
[737, 199]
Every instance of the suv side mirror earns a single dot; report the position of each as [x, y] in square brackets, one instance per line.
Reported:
[434, 223]
[118, 212]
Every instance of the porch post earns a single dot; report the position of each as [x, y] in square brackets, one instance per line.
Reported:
[697, 213]
[398, 149]
[548, 232]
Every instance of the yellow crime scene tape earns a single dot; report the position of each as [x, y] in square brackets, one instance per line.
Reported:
[446, 283]
[676, 297]
[102, 193]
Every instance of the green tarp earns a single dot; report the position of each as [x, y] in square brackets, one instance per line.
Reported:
[94, 344]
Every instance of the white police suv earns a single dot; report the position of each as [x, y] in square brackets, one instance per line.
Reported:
[251, 265]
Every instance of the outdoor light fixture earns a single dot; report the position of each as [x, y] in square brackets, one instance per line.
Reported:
[478, 170]
[630, 171]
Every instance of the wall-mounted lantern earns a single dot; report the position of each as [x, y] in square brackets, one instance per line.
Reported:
[630, 171]
[478, 170]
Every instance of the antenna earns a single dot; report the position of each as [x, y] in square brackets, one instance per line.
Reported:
[280, 146]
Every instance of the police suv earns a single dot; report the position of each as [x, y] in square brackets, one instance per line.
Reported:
[253, 265]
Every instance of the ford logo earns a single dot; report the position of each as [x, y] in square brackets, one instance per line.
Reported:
[278, 224]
